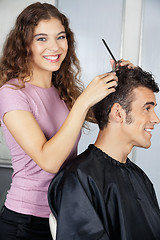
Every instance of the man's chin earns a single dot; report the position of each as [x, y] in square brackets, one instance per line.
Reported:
[145, 146]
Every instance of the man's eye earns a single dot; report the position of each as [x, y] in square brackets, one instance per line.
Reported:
[147, 109]
[41, 39]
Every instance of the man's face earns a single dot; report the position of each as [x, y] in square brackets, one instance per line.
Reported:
[142, 118]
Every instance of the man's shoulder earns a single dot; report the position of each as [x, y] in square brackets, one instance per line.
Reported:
[79, 172]
[82, 162]
[86, 165]
[138, 170]
[84, 157]
[87, 161]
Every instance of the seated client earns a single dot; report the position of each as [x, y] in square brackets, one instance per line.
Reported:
[102, 194]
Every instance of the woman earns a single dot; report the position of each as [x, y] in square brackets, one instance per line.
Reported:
[42, 110]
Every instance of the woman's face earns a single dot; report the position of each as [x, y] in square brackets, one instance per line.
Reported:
[49, 46]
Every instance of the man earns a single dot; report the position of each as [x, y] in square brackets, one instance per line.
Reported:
[102, 195]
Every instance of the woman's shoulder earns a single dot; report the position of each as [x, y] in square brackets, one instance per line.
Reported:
[12, 98]
[11, 93]
[11, 84]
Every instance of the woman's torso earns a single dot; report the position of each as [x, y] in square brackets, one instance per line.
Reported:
[28, 192]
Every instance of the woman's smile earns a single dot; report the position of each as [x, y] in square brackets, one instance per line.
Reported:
[52, 58]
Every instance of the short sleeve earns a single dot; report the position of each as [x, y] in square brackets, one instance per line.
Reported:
[12, 99]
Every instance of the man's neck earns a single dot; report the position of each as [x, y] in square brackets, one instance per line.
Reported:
[113, 144]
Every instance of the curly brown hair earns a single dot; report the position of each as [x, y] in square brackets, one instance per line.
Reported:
[17, 55]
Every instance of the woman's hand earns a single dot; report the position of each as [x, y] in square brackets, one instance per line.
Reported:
[99, 88]
[122, 63]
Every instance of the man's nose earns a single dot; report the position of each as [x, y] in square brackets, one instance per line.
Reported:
[155, 118]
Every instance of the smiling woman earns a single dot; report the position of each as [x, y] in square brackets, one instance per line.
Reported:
[49, 48]
[42, 110]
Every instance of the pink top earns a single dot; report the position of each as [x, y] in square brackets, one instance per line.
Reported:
[28, 192]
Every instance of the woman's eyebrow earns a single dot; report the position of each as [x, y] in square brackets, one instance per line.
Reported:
[44, 34]
[61, 32]
[40, 34]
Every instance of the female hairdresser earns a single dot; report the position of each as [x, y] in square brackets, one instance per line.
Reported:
[42, 110]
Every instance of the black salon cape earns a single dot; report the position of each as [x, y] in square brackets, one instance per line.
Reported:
[99, 198]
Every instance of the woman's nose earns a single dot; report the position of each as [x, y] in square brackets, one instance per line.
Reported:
[53, 46]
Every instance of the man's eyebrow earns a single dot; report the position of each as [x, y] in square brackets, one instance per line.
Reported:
[150, 103]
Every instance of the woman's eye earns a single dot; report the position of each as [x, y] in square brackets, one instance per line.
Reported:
[62, 37]
[41, 39]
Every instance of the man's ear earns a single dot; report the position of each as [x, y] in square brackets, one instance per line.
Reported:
[117, 112]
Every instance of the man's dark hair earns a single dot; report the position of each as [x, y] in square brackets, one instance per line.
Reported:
[128, 80]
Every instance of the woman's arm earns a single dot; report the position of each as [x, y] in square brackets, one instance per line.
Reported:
[51, 154]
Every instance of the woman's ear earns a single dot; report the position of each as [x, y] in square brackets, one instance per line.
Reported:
[117, 113]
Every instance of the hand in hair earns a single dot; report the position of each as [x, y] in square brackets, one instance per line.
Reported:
[121, 63]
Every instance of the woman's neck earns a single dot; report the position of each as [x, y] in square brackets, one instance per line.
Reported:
[41, 79]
